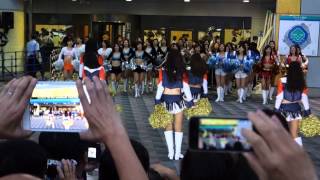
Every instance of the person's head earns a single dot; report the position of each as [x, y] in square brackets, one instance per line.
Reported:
[210, 165]
[163, 42]
[241, 50]
[180, 43]
[34, 35]
[272, 44]
[22, 156]
[107, 168]
[281, 118]
[155, 42]
[116, 48]
[126, 43]
[65, 146]
[295, 78]
[105, 44]
[222, 48]
[174, 46]
[198, 66]
[174, 65]
[78, 40]
[229, 47]
[91, 46]
[298, 49]
[69, 42]
[86, 38]
[267, 51]
[197, 48]
[139, 46]
[293, 51]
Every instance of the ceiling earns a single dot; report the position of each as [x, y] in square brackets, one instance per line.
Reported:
[192, 1]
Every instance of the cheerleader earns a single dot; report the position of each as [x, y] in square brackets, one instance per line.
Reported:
[115, 59]
[91, 63]
[164, 47]
[293, 56]
[152, 54]
[67, 55]
[291, 91]
[141, 59]
[267, 64]
[198, 77]
[172, 82]
[79, 47]
[229, 76]
[253, 54]
[305, 60]
[221, 60]
[127, 56]
[242, 69]
[277, 74]
[105, 52]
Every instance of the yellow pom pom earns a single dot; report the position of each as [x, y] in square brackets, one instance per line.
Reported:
[160, 118]
[202, 108]
[310, 126]
[112, 91]
[119, 108]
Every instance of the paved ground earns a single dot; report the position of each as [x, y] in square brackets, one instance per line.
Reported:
[136, 112]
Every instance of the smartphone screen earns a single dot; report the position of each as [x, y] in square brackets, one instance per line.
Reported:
[222, 134]
[55, 107]
[92, 152]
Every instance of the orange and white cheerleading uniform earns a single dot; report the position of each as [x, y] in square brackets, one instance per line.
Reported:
[67, 56]
[90, 69]
[173, 103]
[291, 108]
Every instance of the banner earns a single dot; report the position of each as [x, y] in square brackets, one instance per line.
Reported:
[301, 30]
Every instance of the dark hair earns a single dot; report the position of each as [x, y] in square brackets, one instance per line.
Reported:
[108, 44]
[34, 35]
[114, 46]
[265, 51]
[298, 48]
[244, 49]
[295, 78]
[198, 66]
[22, 156]
[229, 44]
[296, 54]
[90, 56]
[107, 168]
[208, 165]
[174, 66]
[63, 145]
[223, 46]
[281, 118]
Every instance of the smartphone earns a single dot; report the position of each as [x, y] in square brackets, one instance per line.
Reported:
[52, 167]
[55, 107]
[218, 134]
[94, 151]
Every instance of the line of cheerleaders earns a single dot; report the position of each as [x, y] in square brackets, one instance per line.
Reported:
[181, 76]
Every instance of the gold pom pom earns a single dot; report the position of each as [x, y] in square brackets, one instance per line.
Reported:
[202, 108]
[160, 118]
[119, 108]
[112, 91]
[310, 126]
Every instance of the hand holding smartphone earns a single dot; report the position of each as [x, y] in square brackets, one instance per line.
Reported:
[218, 134]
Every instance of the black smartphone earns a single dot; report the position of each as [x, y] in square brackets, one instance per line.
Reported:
[94, 152]
[218, 134]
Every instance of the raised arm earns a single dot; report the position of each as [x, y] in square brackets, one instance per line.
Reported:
[187, 92]
[160, 88]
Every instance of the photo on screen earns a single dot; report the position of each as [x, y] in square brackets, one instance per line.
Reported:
[55, 106]
[223, 134]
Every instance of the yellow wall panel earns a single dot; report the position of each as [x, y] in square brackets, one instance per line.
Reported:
[288, 6]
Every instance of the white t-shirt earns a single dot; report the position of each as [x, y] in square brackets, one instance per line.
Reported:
[105, 52]
[79, 50]
[67, 52]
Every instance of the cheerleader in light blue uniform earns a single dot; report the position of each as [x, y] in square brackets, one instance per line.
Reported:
[221, 65]
[255, 56]
[243, 66]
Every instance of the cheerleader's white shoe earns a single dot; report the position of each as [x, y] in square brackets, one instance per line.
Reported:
[221, 94]
[218, 94]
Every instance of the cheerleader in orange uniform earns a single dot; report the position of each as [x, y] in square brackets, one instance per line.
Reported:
[67, 55]
[91, 63]
[277, 73]
[171, 86]
[267, 64]
[291, 91]
[293, 56]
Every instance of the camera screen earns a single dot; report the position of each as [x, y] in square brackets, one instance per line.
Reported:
[92, 152]
[55, 106]
[223, 134]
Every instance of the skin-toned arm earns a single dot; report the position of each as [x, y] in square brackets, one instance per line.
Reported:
[105, 125]
[276, 155]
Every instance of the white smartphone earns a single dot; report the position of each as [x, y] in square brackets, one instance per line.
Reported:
[55, 107]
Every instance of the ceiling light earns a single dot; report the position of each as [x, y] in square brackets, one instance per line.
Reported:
[245, 1]
[128, 0]
[74, 0]
[186, 0]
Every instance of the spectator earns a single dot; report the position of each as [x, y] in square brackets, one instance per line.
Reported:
[31, 161]
[107, 169]
[33, 56]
